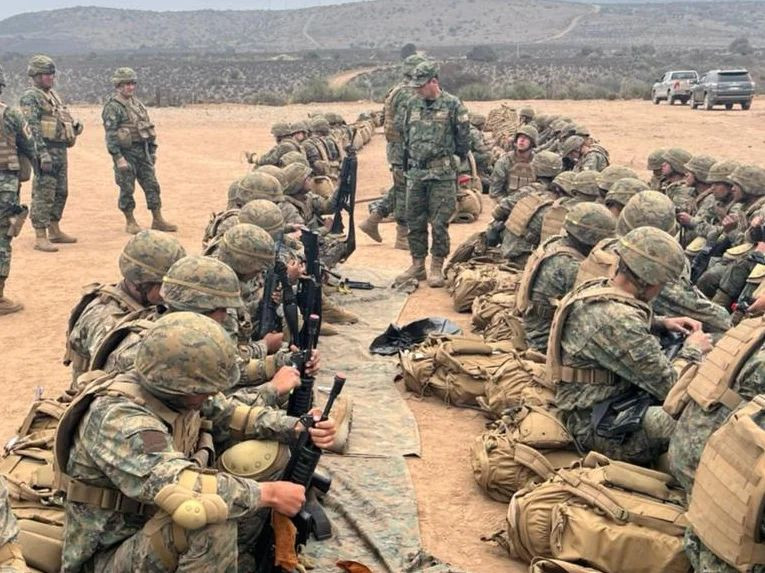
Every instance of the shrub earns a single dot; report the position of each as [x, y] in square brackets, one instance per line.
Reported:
[476, 92]
[482, 54]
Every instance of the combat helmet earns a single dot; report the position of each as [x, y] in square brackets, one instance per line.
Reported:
[185, 354]
[201, 284]
[581, 130]
[700, 165]
[477, 120]
[677, 158]
[255, 185]
[547, 164]
[612, 174]
[40, 64]
[296, 174]
[652, 255]
[529, 131]
[624, 189]
[526, 112]
[297, 127]
[124, 76]
[334, 118]
[565, 181]
[246, 248]
[567, 131]
[589, 223]
[720, 171]
[280, 129]
[571, 144]
[411, 62]
[542, 121]
[274, 171]
[292, 157]
[319, 125]
[647, 209]
[655, 159]
[148, 255]
[586, 183]
[265, 215]
[750, 178]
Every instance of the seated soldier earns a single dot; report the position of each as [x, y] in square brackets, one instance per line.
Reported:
[621, 192]
[653, 164]
[11, 557]
[137, 497]
[513, 170]
[609, 368]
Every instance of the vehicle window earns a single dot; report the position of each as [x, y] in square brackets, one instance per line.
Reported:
[684, 76]
[733, 77]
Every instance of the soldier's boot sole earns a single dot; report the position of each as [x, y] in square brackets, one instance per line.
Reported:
[56, 235]
[335, 314]
[415, 271]
[45, 246]
[158, 223]
[328, 330]
[7, 306]
[369, 227]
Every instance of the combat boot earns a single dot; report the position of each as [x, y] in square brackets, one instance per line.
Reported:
[415, 271]
[42, 243]
[56, 235]
[7, 306]
[328, 330]
[436, 276]
[369, 226]
[158, 223]
[336, 314]
[402, 232]
[131, 225]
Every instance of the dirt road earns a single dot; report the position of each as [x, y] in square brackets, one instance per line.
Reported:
[200, 154]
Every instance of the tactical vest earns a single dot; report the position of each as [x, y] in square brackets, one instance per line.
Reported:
[540, 255]
[215, 226]
[186, 430]
[56, 123]
[133, 324]
[595, 148]
[392, 135]
[600, 263]
[138, 127]
[524, 211]
[90, 293]
[729, 490]
[756, 279]
[9, 154]
[552, 223]
[590, 292]
[521, 173]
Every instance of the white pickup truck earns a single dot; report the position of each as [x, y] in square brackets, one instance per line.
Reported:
[674, 86]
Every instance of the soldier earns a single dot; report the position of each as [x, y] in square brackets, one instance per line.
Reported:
[608, 366]
[611, 175]
[436, 128]
[673, 173]
[653, 164]
[260, 184]
[592, 157]
[551, 271]
[513, 170]
[131, 140]
[572, 189]
[481, 151]
[621, 192]
[53, 130]
[294, 135]
[16, 146]
[320, 150]
[143, 262]
[525, 116]
[11, 556]
[394, 201]
[133, 441]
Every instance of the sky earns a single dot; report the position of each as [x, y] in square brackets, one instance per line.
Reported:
[11, 7]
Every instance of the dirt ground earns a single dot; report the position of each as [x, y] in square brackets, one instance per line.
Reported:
[201, 152]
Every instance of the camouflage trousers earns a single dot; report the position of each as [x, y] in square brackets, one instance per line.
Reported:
[734, 278]
[50, 190]
[141, 169]
[394, 201]
[9, 198]
[704, 561]
[429, 201]
[709, 281]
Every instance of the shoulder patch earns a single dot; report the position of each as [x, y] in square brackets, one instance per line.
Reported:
[154, 441]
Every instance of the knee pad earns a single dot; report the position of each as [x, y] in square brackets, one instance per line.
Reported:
[261, 460]
[191, 509]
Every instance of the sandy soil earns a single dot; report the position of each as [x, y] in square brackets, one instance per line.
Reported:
[201, 152]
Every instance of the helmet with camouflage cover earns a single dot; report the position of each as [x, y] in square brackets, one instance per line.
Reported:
[571, 144]
[124, 76]
[201, 284]
[612, 174]
[319, 124]
[298, 126]
[255, 185]
[557, 125]
[655, 159]
[720, 171]
[750, 178]
[40, 64]
[478, 120]
[565, 180]
[423, 73]
[700, 165]
[147, 256]
[274, 171]
[246, 248]
[677, 158]
[292, 157]
[589, 223]
[529, 131]
[185, 354]
[265, 215]
[411, 62]
[526, 112]
[624, 189]
[334, 118]
[547, 164]
[652, 255]
[280, 129]
[581, 130]
[647, 209]
[567, 131]
[296, 174]
[586, 183]
[542, 121]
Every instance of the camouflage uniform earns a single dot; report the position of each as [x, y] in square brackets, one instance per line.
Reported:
[513, 170]
[127, 444]
[481, 151]
[284, 145]
[596, 159]
[9, 531]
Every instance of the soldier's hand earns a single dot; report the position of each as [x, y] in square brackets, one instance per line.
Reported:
[273, 341]
[699, 340]
[756, 221]
[286, 379]
[684, 218]
[122, 164]
[323, 433]
[681, 324]
[294, 270]
[46, 162]
[285, 497]
[312, 366]
[729, 222]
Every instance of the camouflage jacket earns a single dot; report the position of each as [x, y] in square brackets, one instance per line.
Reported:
[595, 160]
[9, 529]
[122, 445]
[115, 115]
[434, 132]
[18, 135]
[317, 155]
[293, 220]
[499, 175]
[33, 105]
[274, 155]
[481, 151]
[395, 105]
[683, 196]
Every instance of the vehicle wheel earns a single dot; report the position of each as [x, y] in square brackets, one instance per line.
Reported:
[683, 101]
[655, 99]
[708, 103]
[694, 104]
[746, 104]
[670, 99]
[728, 106]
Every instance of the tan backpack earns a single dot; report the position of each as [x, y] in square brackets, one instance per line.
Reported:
[487, 305]
[507, 326]
[474, 278]
[505, 387]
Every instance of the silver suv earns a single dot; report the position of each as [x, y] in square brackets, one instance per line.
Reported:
[726, 87]
[674, 86]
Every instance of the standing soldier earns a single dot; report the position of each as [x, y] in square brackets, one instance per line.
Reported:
[435, 128]
[132, 142]
[15, 138]
[53, 130]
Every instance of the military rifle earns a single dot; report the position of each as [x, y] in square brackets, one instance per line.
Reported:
[705, 255]
[346, 200]
[301, 398]
[309, 286]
